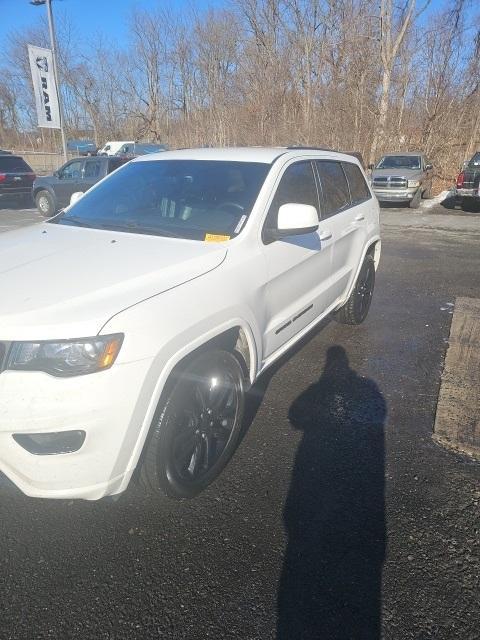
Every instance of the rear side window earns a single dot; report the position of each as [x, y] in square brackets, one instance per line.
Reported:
[114, 163]
[12, 163]
[359, 191]
[336, 195]
[296, 185]
[92, 169]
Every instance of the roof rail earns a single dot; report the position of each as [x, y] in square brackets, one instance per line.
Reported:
[310, 147]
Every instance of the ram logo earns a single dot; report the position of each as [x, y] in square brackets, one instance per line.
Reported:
[42, 63]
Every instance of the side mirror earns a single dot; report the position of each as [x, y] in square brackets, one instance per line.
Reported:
[371, 167]
[428, 167]
[75, 197]
[293, 220]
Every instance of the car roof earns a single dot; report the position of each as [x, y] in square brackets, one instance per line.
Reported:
[404, 153]
[266, 155]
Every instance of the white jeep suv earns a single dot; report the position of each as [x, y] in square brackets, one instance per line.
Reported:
[133, 323]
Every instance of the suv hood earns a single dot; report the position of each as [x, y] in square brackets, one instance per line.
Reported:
[410, 174]
[66, 282]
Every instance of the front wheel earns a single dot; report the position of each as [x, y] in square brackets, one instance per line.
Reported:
[355, 310]
[197, 428]
[45, 203]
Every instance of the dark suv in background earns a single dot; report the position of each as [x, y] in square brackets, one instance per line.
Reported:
[16, 179]
[52, 193]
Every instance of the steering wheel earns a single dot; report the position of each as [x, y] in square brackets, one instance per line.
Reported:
[228, 203]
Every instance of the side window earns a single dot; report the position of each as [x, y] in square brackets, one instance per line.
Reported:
[358, 187]
[92, 169]
[71, 171]
[296, 185]
[336, 195]
[114, 163]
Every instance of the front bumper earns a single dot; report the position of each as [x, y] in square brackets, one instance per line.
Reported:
[103, 404]
[395, 195]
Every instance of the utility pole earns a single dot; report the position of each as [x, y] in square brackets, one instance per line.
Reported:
[55, 67]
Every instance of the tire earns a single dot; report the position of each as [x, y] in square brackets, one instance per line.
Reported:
[415, 201]
[45, 203]
[355, 310]
[197, 426]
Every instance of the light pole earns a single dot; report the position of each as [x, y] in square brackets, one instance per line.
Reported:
[55, 68]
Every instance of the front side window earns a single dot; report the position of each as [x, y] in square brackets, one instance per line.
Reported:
[71, 171]
[336, 195]
[297, 185]
[399, 162]
[359, 191]
[178, 198]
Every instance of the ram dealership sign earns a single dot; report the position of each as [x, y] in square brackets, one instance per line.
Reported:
[46, 100]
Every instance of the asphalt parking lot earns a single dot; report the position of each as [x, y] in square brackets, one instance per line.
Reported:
[339, 518]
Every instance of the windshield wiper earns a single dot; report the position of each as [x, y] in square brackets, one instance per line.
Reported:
[139, 228]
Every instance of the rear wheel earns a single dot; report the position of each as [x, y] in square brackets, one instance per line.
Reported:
[45, 204]
[355, 310]
[197, 428]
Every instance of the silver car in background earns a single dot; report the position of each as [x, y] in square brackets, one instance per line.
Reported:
[402, 177]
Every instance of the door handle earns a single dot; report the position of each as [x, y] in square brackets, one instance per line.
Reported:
[359, 217]
[326, 235]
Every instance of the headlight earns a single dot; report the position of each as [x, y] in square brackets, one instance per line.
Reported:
[65, 357]
[413, 183]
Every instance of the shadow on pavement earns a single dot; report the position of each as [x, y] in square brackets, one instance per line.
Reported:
[330, 587]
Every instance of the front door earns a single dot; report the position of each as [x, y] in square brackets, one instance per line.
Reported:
[298, 267]
[69, 181]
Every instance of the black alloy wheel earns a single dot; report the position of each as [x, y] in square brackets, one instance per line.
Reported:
[198, 426]
[355, 310]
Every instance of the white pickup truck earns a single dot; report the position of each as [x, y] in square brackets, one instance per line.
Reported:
[133, 323]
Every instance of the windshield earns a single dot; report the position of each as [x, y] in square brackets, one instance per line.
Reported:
[399, 162]
[180, 198]
[475, 161]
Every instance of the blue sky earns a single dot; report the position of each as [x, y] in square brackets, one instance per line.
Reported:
[89, 16]
[93, 16]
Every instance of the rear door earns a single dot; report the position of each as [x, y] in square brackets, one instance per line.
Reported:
[69, 180]
[298, 287]
[92, 172]
[345, 198]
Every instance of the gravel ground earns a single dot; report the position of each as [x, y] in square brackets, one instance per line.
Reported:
[338, 518]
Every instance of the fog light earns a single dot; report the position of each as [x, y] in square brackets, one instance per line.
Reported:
[50, 444]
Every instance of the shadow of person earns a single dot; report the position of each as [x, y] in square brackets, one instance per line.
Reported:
[330, 587]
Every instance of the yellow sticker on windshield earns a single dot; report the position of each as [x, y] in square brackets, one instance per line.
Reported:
[212, 237]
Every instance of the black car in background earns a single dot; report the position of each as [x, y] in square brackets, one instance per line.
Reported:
[16, 179]
[52, 193]
[468, 184]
